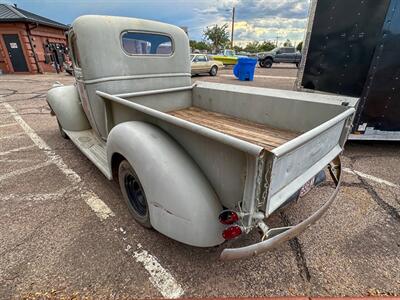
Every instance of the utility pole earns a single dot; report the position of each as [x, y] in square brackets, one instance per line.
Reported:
[233, 26]
[277, 38]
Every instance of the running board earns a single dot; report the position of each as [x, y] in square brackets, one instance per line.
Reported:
[93, 147]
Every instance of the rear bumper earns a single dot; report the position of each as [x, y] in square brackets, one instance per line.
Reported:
[275, 241]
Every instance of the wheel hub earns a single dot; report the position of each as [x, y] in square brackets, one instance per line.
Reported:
[135, 194]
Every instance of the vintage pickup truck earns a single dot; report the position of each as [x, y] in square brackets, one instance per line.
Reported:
[200, 163]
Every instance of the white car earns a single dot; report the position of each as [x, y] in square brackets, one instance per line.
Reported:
[201, 63]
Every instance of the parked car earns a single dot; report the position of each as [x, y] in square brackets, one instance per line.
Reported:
[201, 63]
[228, 57]
[201, 163]
[279, 55]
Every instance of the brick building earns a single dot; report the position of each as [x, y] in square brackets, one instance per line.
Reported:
[30, 43]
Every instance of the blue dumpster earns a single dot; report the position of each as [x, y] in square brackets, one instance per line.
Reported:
[244, 69]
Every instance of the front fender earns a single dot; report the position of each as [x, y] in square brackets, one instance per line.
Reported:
[65, 102]
[182, 203]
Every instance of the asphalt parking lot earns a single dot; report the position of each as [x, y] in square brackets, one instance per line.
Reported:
[65, 231]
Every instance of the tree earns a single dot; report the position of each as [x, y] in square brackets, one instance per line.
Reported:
[300, 46]
[266, 46]
[202, 45]
[192, 44]
[288, 43]
[252, 47]
[237, 48]
[218, 35]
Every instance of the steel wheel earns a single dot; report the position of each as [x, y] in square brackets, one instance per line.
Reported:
[133, 194]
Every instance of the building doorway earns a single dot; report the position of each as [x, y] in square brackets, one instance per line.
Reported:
[15, 52]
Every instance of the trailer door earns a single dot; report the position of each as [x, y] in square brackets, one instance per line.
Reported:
[351, 48]
[380, 103]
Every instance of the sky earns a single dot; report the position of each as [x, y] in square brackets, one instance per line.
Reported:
[255, 20]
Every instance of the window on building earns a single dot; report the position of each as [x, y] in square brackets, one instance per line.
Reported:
[140, 43]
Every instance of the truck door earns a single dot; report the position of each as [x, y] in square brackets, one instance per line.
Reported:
[76, 63]
[279, 56]
[287, 55]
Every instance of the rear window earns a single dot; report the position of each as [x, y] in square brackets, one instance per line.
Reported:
[141, 43]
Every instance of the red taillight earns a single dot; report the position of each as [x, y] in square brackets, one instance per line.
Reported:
[228, 217]
[231, 232]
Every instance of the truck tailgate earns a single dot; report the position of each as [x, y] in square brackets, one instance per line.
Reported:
[298, 160]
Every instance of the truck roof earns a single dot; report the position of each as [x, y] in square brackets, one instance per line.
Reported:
[99, 44]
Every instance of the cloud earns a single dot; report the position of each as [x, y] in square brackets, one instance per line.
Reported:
[255, 19]
[260, 19]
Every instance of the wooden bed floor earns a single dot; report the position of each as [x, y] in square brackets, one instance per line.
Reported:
[256, 133]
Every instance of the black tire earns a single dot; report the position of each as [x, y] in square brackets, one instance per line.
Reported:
[133, 194]
[268, 63]
[62, 132]
[261, 64]
[214, 71]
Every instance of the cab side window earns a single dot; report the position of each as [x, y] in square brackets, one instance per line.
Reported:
[141, 43]
[288, 50]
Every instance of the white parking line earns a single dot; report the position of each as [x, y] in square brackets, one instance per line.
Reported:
[263, 76]
[16, 150]
[370, 177]
[23, 171]
[12, 136]
[39, 197]
[159, 277]
[54, 158]
[7, 125]
[99, 207]
[162, 280]
[17, 160]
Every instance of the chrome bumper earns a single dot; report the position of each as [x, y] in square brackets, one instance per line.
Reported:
[335, 169]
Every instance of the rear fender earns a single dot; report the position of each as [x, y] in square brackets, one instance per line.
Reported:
[64, 101]
[182, 203]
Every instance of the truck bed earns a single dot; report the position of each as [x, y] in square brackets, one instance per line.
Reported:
[256, 133]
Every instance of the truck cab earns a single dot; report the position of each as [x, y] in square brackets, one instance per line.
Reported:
[201, 163]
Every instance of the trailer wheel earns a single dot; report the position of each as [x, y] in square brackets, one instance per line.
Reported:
[62, 132]
[267, 63]
[133, 194]
[261, 64]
